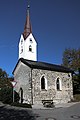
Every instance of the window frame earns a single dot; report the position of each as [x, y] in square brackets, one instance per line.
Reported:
[45, 83]
[30, 48]
[31, 41]
[58, 84]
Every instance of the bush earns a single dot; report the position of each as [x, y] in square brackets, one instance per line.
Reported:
[77, 97]
[16, 97]
[24, 105]
[6, 95]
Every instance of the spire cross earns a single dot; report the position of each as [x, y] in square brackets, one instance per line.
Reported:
[28, 4]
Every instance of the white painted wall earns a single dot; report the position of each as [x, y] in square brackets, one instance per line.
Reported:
[24, 44]
[21, 46]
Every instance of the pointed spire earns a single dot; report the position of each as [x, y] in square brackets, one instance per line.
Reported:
[27, 28]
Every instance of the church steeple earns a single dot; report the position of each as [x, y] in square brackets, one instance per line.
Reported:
[27, 27]
[28, 44]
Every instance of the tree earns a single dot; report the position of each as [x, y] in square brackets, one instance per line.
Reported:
[76, 84]
[3, 74]
[4, 80]
[6, 88]
[71, 58]
[6, 95]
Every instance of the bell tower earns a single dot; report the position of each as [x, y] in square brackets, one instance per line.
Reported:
[27, 43]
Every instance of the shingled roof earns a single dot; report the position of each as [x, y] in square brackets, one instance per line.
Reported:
[44, 66]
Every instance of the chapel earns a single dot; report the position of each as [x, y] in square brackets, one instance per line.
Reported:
[39, 81]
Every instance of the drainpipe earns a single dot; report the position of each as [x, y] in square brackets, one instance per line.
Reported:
[31, 88]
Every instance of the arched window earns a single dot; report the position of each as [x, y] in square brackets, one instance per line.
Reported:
[30, 48]
[58, 84]
[21, 50]
[43, 83]
[21, 42]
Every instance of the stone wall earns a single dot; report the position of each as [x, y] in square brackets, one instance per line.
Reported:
[22, 75]
[30, 82]
[64, 95]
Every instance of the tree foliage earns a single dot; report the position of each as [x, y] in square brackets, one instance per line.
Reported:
[3, 74]
[76, 84]
[6, 95]
[71, 58]
[6, 88]
[4, 80]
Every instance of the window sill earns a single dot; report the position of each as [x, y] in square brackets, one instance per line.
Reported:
[59, 90]
[43, 90]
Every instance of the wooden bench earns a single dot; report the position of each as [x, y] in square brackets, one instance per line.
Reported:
[48, 103]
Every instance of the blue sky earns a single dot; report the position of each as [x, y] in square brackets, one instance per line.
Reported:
[55, 25]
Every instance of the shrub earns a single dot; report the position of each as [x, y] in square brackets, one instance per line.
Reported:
[6, 95]
[77, 97]
[24, 105]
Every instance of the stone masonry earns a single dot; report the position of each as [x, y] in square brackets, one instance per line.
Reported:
[23, 78]
[30, 81]
[64, 95]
